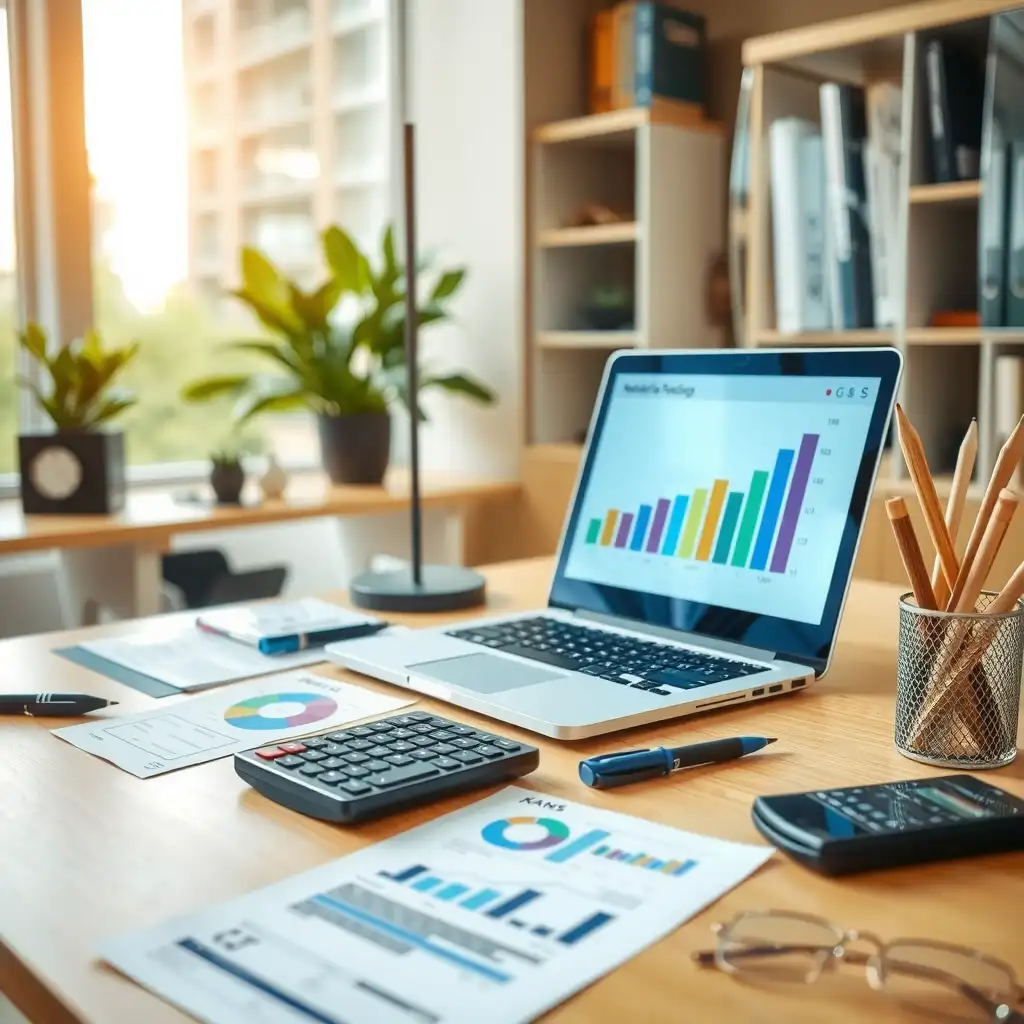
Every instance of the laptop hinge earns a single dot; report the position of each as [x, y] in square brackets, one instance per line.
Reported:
[679, 635]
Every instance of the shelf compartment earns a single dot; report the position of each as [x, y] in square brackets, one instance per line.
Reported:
[596, 234]
[837, 338]
[946, 192]
[609, 340]
[618, 127]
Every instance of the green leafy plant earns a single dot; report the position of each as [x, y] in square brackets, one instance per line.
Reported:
[223, 458]
[78, 395]
[334, 360]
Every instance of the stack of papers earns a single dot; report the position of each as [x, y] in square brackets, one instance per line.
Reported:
[494, 913]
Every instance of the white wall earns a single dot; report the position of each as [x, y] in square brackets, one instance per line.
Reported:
[466, 79]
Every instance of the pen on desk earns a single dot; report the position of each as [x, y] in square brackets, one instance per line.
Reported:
[610, 770]
[54, 705]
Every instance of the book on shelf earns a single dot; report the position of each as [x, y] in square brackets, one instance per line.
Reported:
[844, 136]
[994, 229]
[798, 228]
[1015, 246]
[955, 92]
[882, 157]
[601, 69]
[658, 53]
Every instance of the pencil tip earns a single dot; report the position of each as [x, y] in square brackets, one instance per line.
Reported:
[111, 703]
[772, 739]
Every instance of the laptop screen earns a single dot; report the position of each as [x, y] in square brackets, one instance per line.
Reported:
[722, 494]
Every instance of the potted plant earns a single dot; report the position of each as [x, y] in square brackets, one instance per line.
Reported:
[227, 477]
[78, 468]
[348, 367]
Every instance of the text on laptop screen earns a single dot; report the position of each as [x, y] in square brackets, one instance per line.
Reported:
[727, 490]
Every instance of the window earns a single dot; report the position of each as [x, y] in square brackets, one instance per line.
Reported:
[8, 283]
[213, 124]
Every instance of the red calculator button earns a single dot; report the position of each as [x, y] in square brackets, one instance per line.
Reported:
[293, 748]
[270, 753]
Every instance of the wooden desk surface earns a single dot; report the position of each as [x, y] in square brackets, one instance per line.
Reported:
[152, 516]
[91, 852]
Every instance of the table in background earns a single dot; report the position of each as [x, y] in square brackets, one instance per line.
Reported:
[90, 852]
[114, 561]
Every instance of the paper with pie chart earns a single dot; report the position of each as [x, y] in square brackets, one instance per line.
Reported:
[238, 717]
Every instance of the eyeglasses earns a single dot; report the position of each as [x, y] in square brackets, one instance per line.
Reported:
[946, 983]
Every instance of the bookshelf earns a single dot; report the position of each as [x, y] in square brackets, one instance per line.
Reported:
[949, 372]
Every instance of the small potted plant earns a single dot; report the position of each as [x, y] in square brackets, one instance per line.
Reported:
[348, 370]
[78, 468]
[227, 476]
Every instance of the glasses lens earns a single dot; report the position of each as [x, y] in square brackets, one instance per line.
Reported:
[778, 947]
[944, 982]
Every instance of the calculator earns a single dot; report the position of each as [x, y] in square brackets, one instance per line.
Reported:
[861, 828]
[374, 769]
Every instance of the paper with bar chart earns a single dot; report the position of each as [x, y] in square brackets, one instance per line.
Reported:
[494, 913]
[733, 499]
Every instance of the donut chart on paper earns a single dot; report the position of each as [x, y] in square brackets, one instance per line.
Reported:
[280, 711]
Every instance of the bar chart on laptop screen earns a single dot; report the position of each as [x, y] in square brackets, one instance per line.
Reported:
[738, 499]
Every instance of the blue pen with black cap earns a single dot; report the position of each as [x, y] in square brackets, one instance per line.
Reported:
[610, 770]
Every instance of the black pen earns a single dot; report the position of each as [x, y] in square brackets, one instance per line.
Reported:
[610, 770]
[51, 704]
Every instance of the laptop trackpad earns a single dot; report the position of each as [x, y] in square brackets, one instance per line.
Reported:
[484, 673]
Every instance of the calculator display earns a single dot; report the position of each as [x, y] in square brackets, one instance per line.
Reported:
[955, 803]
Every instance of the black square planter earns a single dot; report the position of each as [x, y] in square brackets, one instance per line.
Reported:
[72, 473]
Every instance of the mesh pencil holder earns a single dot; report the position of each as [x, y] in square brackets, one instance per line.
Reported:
[958, 685]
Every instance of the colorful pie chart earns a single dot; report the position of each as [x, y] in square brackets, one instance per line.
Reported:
[280, 711]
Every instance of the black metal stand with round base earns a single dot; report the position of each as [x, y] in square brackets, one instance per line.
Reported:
[442, 588]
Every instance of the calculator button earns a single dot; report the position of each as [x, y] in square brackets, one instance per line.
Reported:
[331, 778]
[406, 773]
[330, 749]
[293, 748]
[376, 766]
[270, 753]
[507, 745]
[362, 731]
[377, 751]
[360, 745]
[447, 763]
[355, 771]
[330, 763]
[380, 726]
[340, 737]
[401, 747]
[423, 741]
[936, 819]
[443, 748]
[489, 750]
[402, 734]
[399, 759]
[289, 761]
[864, 807]
[464, 742]
[423, 729]
[466, 756]
[460, 730]
[423, 755]
[355, 758]
[878, 815]
[404, 720]
[310, 769]
[314, 755]
[356, 787]
[421, 716]
[443, 734]
[314, 742]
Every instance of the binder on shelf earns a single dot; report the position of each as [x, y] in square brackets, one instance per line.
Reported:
[1015, 248]
[815, 300]
[993, 231]
[955, 91]
[602, 62]
[882, 156]
[659, 54]
[844, 133]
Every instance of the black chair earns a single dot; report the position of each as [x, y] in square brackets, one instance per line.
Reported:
[204, 578]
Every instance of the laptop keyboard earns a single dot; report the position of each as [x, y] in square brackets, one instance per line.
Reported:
[629, 661]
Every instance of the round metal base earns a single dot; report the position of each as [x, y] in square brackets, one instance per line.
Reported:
[442, 588]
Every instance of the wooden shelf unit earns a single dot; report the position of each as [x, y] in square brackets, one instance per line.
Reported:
[663, 172]
[949, 373]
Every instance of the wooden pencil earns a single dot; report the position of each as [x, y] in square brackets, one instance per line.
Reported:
[1006, 463]
[910, 552]
[924, 487]
[1012, 592]
[965, 460]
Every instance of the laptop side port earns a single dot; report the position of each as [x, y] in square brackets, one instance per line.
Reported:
[759, 692]
[777, 688]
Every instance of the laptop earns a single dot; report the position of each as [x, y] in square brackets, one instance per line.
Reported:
[705, 557]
